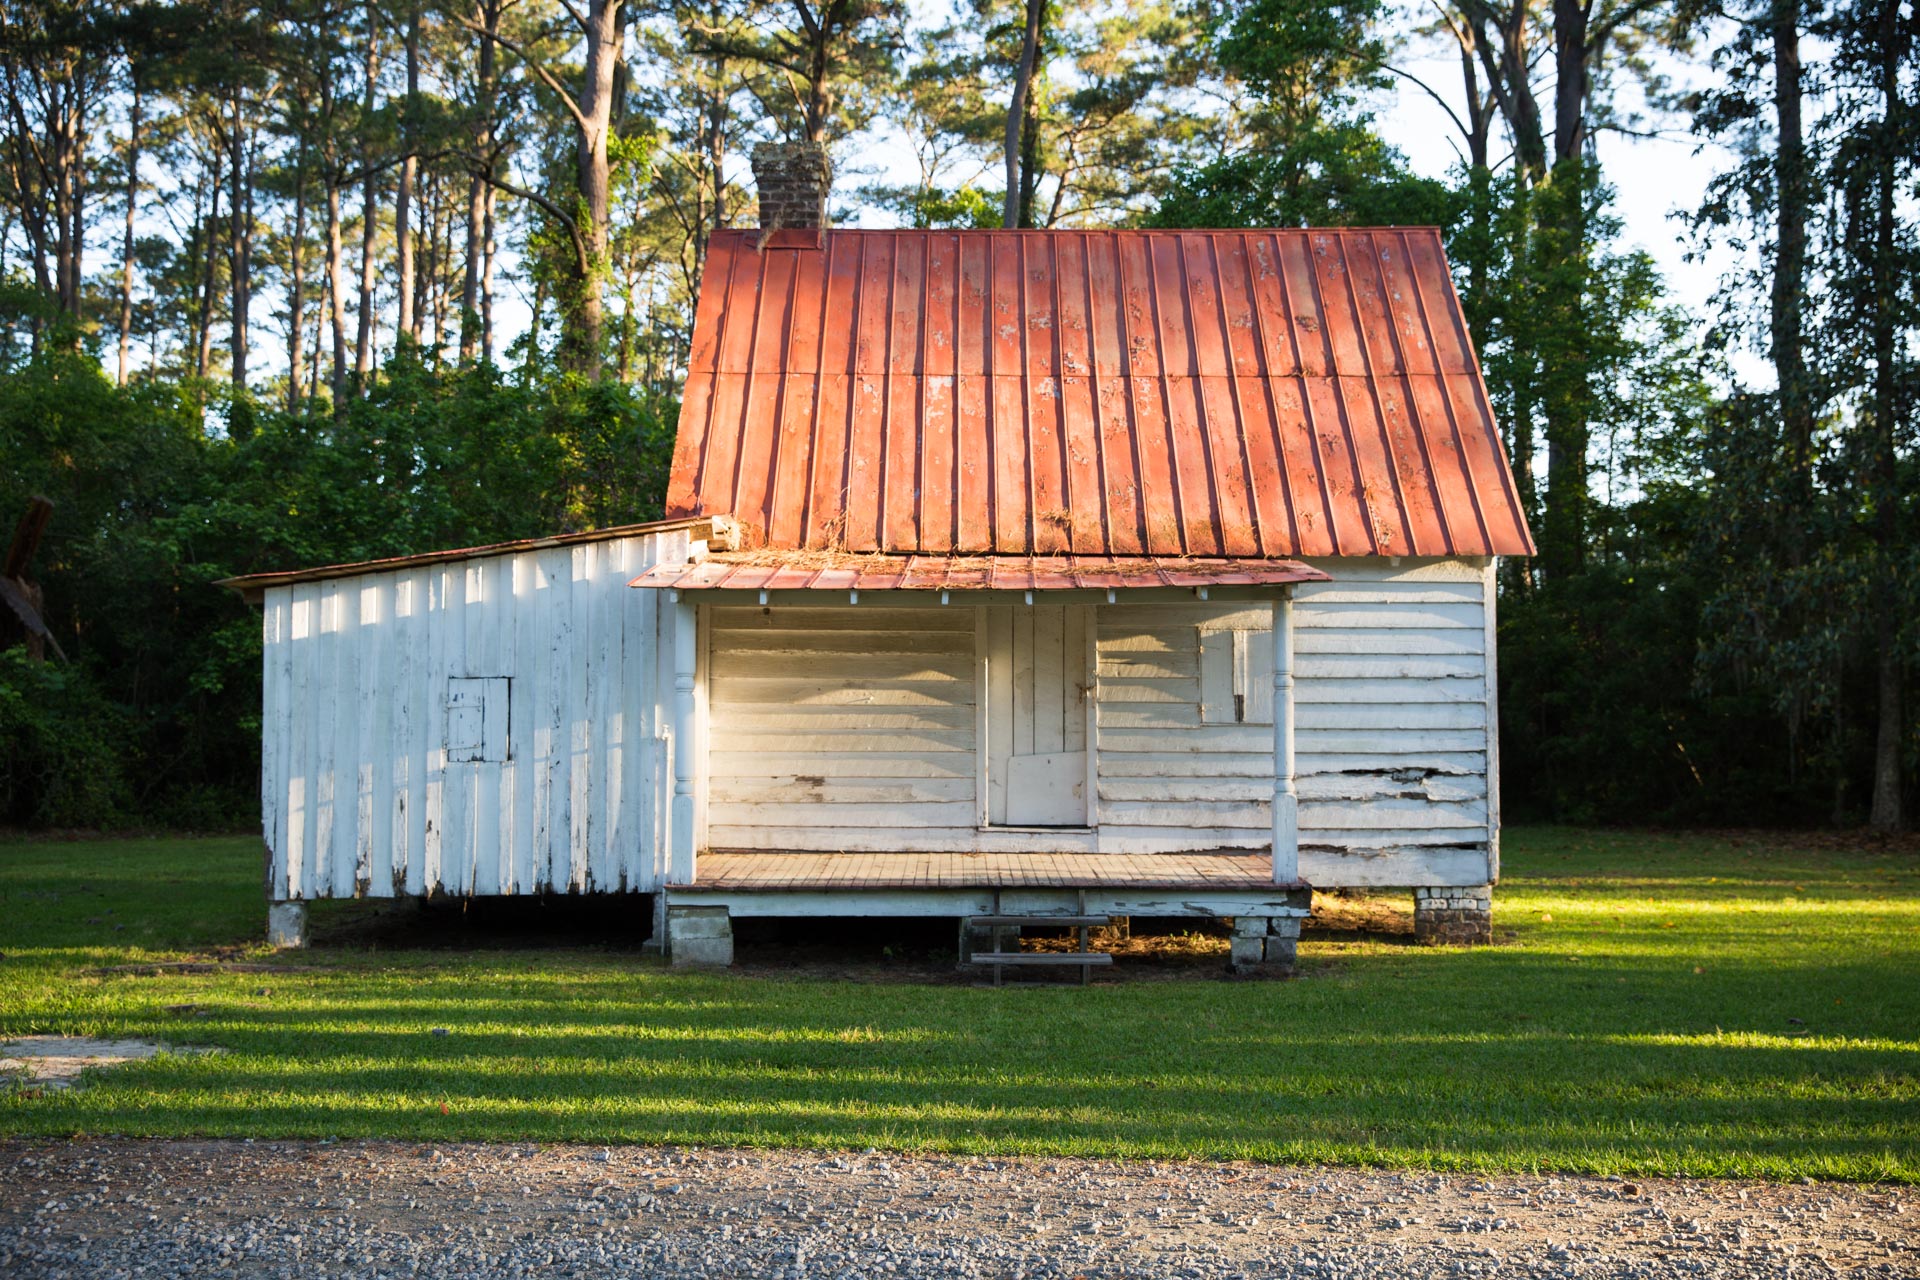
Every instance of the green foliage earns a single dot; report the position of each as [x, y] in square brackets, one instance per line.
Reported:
[63, 748]
[1602, 718]
[1660, 1005]
[1313, 159]
[1343, 176]
[1810, 515]
[154, 503]
[968, 208]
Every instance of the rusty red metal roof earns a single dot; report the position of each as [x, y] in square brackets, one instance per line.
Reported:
[1125, 393]
[843, 571]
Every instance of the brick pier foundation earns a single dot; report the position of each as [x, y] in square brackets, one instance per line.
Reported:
[1454, 915]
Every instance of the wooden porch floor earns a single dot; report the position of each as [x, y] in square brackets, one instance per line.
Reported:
[760, 871]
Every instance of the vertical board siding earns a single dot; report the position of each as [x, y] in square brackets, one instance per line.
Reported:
[832, 728]
[357, 794]
[1036, 668]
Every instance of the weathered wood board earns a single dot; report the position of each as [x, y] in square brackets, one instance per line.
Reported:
[500, 725]
[479, 726]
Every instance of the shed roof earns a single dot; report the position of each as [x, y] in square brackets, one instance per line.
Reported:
[251, 584]
[1245, 394]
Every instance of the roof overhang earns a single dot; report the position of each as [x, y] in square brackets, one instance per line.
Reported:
[803, 575]
[250, 586]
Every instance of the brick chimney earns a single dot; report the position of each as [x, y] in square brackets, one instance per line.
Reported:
[792, 178]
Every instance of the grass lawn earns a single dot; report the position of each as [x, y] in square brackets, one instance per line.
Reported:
[1660, 1005]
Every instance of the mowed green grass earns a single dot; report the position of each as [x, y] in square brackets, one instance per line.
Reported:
[1659, 1005]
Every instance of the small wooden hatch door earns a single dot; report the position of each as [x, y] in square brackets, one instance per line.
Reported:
[1039, 687]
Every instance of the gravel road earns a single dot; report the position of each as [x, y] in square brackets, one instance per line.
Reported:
[111, 1208]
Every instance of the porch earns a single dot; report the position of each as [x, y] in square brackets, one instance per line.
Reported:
[970, 887]
[758, 871]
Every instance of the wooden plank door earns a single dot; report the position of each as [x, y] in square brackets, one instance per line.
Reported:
[1039, 688]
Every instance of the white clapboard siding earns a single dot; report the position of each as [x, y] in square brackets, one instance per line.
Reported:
[1367, 788]
[1352, 641]
[789, 789]
[1391, 728]
[1469, 667]
[1168, 782]
[1117, 765]
[359, 795]
[1392, 746]
[840, 728]
[873, 765]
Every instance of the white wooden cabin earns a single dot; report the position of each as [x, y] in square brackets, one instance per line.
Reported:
[1007, 574]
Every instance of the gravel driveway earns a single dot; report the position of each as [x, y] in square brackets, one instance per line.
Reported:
[299, 1209]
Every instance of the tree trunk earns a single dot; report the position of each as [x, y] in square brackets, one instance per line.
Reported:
[1017, 112]
[65, 177]
[203, 362]
[532, 361]
[716, 161]
[297, 276]
[582, 331]
[1508, 62]
[440, 276]
[470, 282]
[6, 330]
[1567, 402]
[364, 334]
[369, 211]
[1573, 81]
[628, 328]
[717, 149]
[486, 279]
[337, 295]
[1788, 339]
[820, 29]
[403, 198]
[240, 245]
[470, 325]
[126, 242]
[1790, 244]
[426, 264]
[1887, 813]
[313, 366]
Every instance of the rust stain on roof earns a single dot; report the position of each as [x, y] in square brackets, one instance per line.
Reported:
[775, 570]
[1235, 394]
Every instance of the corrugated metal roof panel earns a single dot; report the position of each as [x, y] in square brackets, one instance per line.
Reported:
[842, 571]
[1126, 393]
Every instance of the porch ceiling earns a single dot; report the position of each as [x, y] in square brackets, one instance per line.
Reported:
[842, 571]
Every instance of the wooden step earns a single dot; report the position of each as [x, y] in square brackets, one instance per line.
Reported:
[1036, 922]
[1042, 957]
